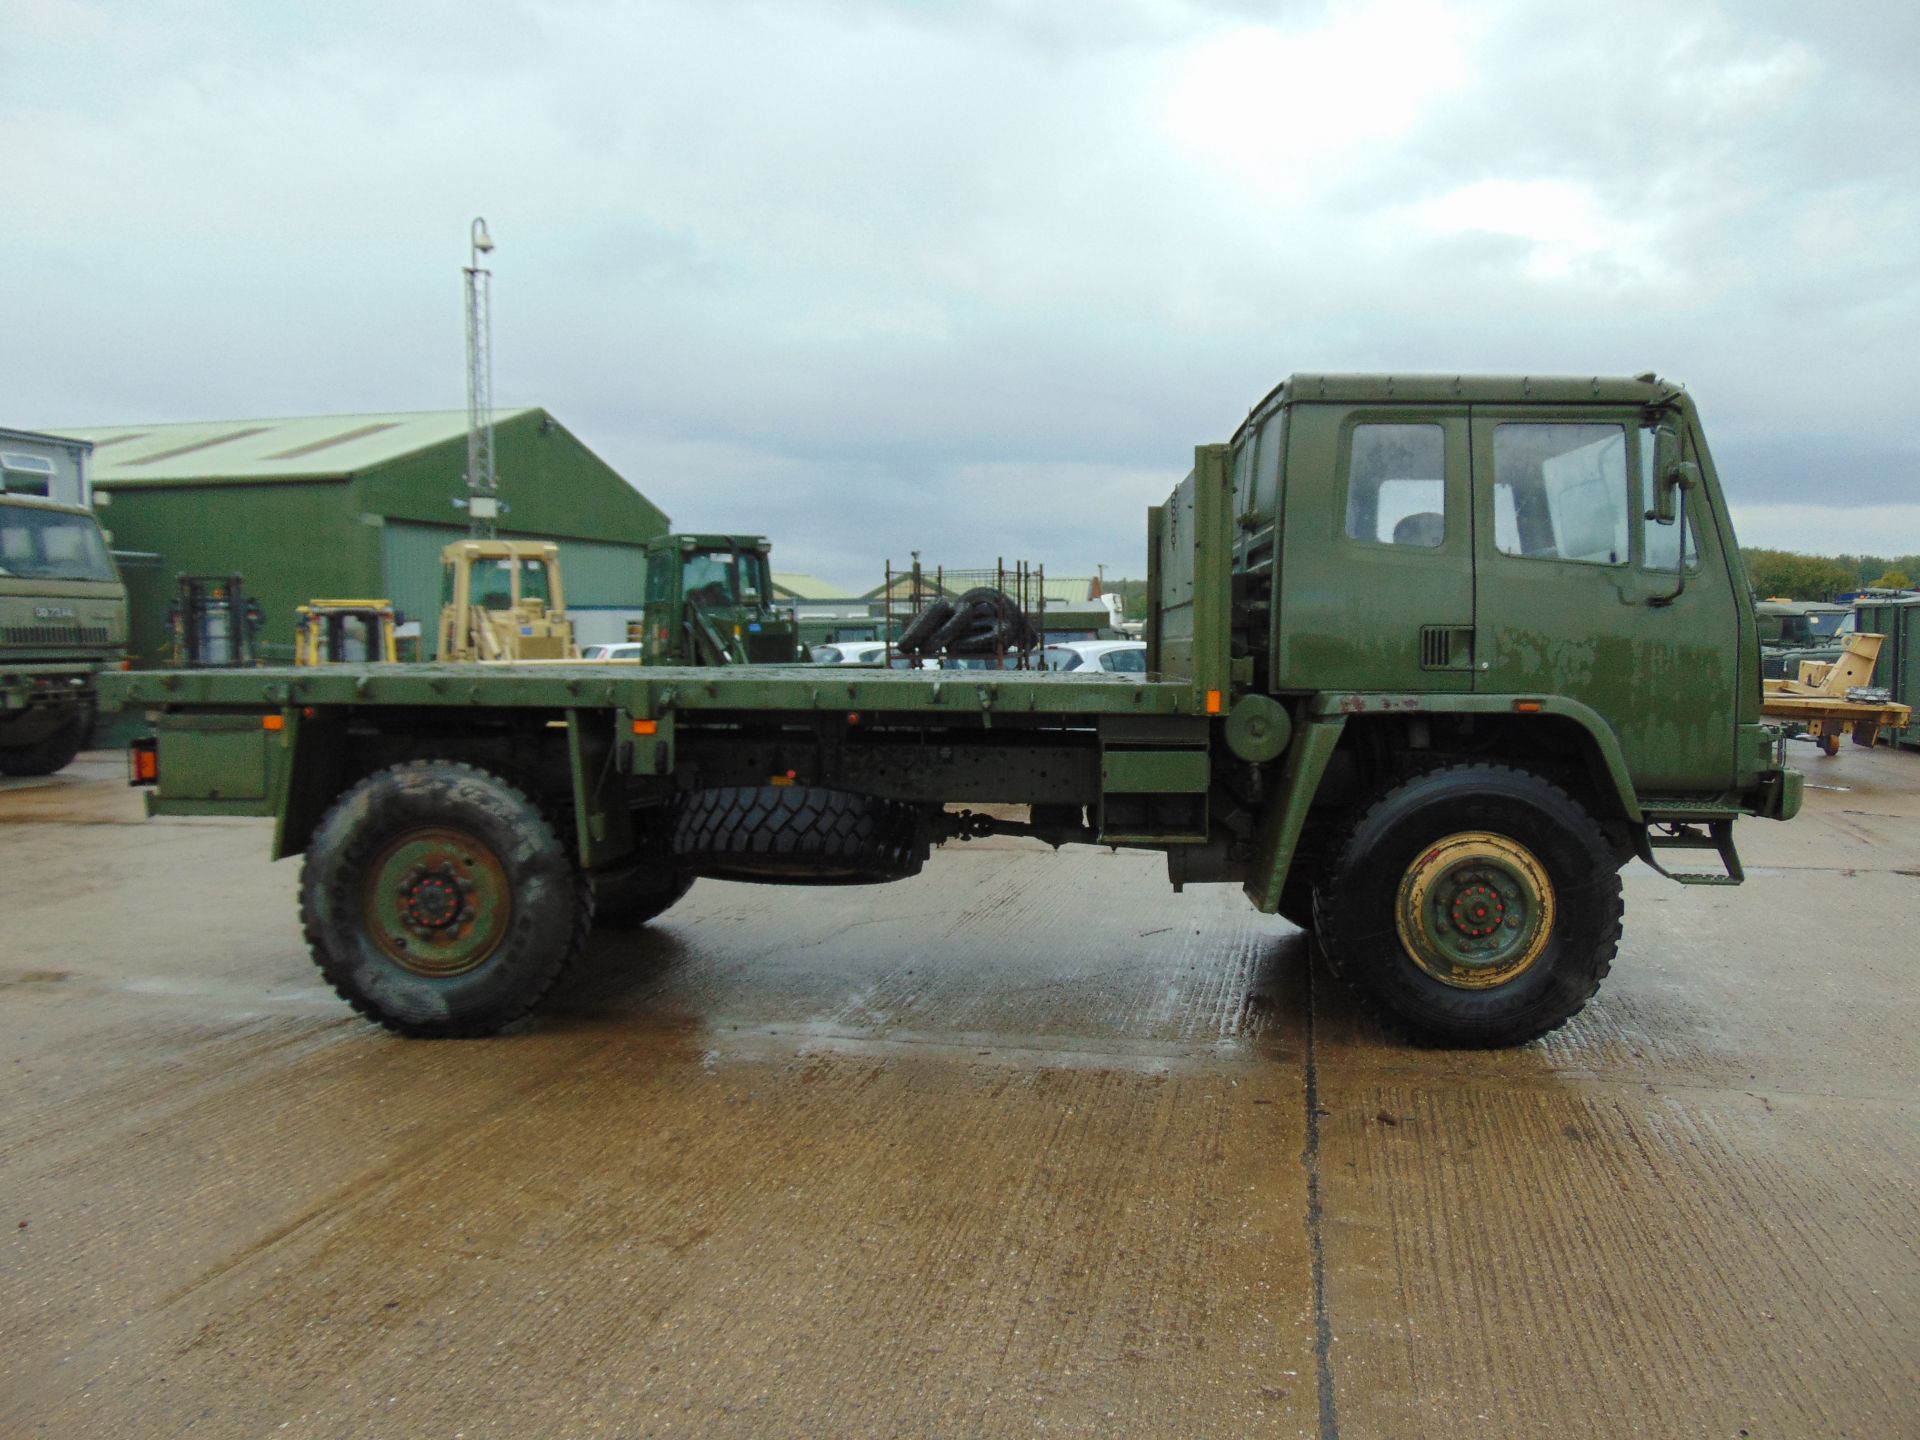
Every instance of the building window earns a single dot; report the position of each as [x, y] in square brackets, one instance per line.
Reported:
[25, 474]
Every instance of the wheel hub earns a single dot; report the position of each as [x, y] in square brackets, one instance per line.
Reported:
[437, 901]
[1475, 910]
[433, 899]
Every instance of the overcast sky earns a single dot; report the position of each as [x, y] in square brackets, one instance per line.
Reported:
[972, 278]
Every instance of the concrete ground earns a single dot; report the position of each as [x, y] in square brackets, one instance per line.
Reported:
[1028, 1145]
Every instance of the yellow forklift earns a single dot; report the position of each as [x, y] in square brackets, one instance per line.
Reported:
[343, 632]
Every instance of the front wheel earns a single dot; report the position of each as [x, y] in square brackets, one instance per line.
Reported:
[1475, 905]
[52, 752]
[439, 900]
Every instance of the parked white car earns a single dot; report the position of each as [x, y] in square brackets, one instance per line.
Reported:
[850, 652]
[1123, 657]
[613, 652]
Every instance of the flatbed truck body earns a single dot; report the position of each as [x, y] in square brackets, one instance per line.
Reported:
[1431, 737]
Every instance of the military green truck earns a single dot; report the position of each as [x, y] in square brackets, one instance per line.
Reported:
[1796, 630]
[709, 601]
[63, 618]
[1430, 660]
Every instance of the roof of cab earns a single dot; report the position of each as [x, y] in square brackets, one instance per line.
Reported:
[1646, 389]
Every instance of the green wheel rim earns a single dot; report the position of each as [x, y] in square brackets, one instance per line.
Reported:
[437, 902]
[1475, 910]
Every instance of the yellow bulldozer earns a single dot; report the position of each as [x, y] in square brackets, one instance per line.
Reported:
[503, 600]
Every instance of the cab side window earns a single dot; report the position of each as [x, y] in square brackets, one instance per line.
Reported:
[1266, 463]
[659, 579]
[1396, 485]
[1560, 492]
[1243, 477]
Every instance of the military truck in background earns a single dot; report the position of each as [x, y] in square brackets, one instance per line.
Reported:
[709, 601]
[1796, 630]
[63, 619]
[1430, 659]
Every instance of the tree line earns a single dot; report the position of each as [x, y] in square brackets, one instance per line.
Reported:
[1791, 576]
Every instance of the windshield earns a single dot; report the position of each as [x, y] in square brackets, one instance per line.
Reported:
[725, 577]
[1825, 625]
[50, 545]
[707, 577]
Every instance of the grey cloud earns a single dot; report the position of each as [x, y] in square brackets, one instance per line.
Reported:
[868, 276]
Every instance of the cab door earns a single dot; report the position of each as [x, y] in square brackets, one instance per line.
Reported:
[1379, 565]
[1578, 594]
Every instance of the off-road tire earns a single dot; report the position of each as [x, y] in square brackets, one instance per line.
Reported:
[1355, 905]
[50, 753]
[631, 901]
[797, 835]
[986, 622]
[913, 640]
[550, 906]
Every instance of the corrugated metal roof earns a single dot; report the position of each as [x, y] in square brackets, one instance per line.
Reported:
[307, 447]
[802, 586]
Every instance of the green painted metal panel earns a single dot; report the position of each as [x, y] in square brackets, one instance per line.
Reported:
[215, 757]
[289, 541]
[410, 572]
[1035, 699]
[1606, 632]
[1898, 668]
[1154, 772]
[1361, 612]
[554, 487]
[1189, 572]
[598, 573]
[1286, 817]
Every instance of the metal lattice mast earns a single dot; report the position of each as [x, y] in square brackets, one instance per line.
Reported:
[483, 484]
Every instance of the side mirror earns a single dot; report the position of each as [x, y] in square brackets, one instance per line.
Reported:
[1673, 475]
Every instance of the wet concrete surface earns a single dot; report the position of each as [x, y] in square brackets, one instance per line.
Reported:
[1026, 1145]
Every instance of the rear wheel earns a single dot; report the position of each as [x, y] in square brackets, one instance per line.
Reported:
[438, 899]
[1474, 906]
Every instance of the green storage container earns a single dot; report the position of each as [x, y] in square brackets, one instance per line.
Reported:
[1899, 667]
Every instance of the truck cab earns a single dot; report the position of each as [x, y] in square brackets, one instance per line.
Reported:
[63, 618]
[709, 601]
[1539, 573]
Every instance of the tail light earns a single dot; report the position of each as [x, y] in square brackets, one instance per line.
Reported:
[143, 761]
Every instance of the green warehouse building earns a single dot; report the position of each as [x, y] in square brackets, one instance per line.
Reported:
[356, 506]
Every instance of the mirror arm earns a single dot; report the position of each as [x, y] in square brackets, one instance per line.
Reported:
[1680, 565]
